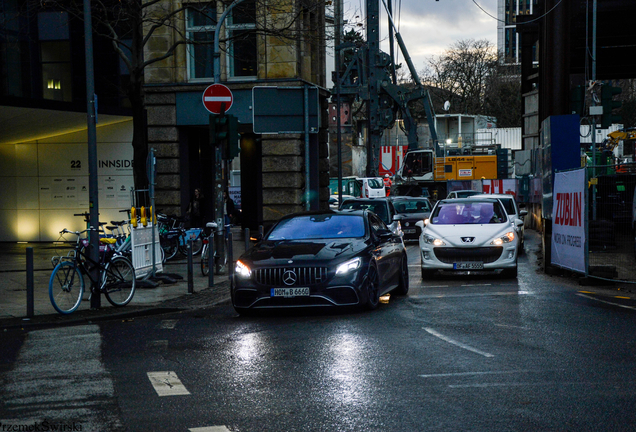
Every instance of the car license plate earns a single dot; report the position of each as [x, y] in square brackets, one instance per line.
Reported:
[289, 292]
[469, 266]
[408, 231]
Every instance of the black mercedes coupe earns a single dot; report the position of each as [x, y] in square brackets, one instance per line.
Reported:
[321, 258]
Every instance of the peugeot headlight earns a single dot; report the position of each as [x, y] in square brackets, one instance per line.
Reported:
[242, 270]
[428, 239]
[348, 266]
[506, 238]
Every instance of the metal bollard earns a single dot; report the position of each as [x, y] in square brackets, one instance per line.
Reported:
[211, 266]
[230, 256]
[247, 238]
[190, 272]
[29, 282]
[260, 230]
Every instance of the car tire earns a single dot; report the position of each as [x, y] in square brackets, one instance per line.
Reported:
[403, 283]
[372, 288]
[428, 274]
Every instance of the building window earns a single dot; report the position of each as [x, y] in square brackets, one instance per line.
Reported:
[200, 26]
[55, 56]
[241, 53]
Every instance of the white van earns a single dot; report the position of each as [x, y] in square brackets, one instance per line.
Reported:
[372, 187]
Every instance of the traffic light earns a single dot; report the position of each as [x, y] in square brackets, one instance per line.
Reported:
[218, 130]
[233, 137]
[607, 94]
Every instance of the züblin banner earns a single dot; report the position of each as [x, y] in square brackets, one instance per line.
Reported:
[568, 220]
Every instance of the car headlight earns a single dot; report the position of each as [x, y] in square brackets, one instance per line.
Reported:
[348, 266]
[428, 239]
[242, 270]
[506, 238]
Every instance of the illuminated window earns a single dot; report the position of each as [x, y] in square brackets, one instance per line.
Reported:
[200, 26]
[56, 70]
[55, 56]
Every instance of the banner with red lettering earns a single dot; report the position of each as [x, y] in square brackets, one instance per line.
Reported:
[568, 220]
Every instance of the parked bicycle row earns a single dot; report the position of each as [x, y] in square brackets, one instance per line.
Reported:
[113, 274]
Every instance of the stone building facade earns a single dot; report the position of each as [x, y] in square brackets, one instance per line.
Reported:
[272, 166]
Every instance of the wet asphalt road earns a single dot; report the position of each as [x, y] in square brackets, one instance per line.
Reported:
[459, 353]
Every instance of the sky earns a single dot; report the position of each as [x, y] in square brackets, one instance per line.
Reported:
[430, 27]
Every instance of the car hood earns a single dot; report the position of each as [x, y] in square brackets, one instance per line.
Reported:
[280, 252]
[483, 233]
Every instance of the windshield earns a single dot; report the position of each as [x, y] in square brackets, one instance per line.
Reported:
[378, 207]
[324, 226]
[417, 164]
[412, 206]
[375, 183]
[465, 194]
[463, 213]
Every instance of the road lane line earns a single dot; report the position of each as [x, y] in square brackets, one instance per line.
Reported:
[456, 343]
[471, 285]
[604, 301]
[460, 374]
[209, 429]
[470, 294]
[167, 384]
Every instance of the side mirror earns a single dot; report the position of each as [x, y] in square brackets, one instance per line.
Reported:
[256, 237]
[398, 217]
[385, 235]
[518, 223]
[421, 223]
[522, 213]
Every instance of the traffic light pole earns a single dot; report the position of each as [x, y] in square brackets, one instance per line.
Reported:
[218, 137]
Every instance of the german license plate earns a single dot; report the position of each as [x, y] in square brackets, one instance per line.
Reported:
[469, 266]
[289, 292]
[408, 231]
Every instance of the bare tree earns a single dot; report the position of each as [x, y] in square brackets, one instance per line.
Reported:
[503, 95]
[460, 75]
[131, 25]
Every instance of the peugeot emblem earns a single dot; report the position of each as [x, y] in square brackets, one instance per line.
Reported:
[289, 277]
[468, 239]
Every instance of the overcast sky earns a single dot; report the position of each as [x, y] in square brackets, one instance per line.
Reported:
[429, 27]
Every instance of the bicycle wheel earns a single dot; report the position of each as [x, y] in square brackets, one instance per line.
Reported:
[66, 287]
[118, 281]
[170, 246]
[205, 266]
[197, 245]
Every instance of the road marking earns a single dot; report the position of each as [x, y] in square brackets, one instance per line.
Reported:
[459, 374]
[470, 294]
[471, 285]
[500, 385]
[456, 343]
[604, 301]
[167, 324]
[210, 429]
[167, 384]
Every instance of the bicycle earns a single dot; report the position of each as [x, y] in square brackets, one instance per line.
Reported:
[205, 267]
[116, 278]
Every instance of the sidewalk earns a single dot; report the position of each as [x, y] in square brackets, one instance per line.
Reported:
[164, 297]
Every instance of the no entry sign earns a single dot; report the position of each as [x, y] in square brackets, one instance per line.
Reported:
[214, 96]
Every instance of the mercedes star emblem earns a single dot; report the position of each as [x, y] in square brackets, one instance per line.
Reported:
[289, 277]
